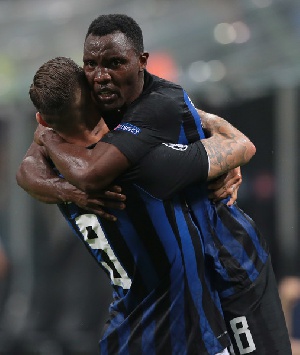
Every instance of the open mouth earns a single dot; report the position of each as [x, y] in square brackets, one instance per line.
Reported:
[106, 95]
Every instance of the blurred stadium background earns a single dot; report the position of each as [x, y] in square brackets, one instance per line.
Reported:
[237, 58]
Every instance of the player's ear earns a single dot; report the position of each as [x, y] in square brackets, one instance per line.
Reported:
[143, 60]
[40, 120]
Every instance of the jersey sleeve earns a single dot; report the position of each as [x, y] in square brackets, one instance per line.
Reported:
[171, 167]
[152, 120]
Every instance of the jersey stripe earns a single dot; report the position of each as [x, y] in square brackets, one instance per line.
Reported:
[122, 246]
[231, 237]
[215, 310]
[244, 237]
[194, 264]
[191, 125]
[140, 218]
[162, 338]
[191, 315]
[170, 307]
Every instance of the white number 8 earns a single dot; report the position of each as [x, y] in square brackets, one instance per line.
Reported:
[239, 326]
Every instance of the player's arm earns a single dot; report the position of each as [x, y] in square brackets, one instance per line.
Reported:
[90, 170]
[144, 125]
[171, 167]
[227, 147]
[37, 177]
[141, 129]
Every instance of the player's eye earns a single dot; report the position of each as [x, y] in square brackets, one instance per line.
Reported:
[89, 63]
[115, 62]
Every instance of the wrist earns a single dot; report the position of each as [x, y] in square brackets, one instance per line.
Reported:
[51, 136]
[209, 124]
[62, 190]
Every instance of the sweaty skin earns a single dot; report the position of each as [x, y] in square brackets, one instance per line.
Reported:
[113, 70]
[93, 170]
[37, 177]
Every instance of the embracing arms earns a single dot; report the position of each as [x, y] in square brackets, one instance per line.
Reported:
[227, 147]
[90, 170]
[93, 170]
[38, 178]
[171, 167]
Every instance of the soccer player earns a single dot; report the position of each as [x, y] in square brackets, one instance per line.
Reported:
[151, 111]
[152, 267]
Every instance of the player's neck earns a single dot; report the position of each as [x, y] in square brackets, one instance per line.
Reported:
[85, 135]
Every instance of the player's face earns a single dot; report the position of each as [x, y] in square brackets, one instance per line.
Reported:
[113, 69]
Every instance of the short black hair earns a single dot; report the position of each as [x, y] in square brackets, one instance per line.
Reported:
[107, 24]
[54, 85]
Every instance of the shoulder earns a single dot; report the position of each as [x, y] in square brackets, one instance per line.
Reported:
[162, 97]
[167, 88]
[159, 87]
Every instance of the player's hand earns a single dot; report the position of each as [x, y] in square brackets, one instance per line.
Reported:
[39, 133]
[111, 198]
[225, 186]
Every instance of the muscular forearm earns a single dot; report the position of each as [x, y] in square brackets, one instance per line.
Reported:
[50, 190]
[227, 148]
[37, 177]
[88, 170]
[39, 180]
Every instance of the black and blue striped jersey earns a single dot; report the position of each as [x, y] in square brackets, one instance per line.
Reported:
[232, 242]
[163, 298]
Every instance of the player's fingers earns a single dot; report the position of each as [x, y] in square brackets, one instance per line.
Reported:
[234, 180]
[108, 216]
[215, 185]
[224, 192]
[217, 194]
[95, 203]
[100, 212]
[114, 196]
[115, 188]
[233, 196]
